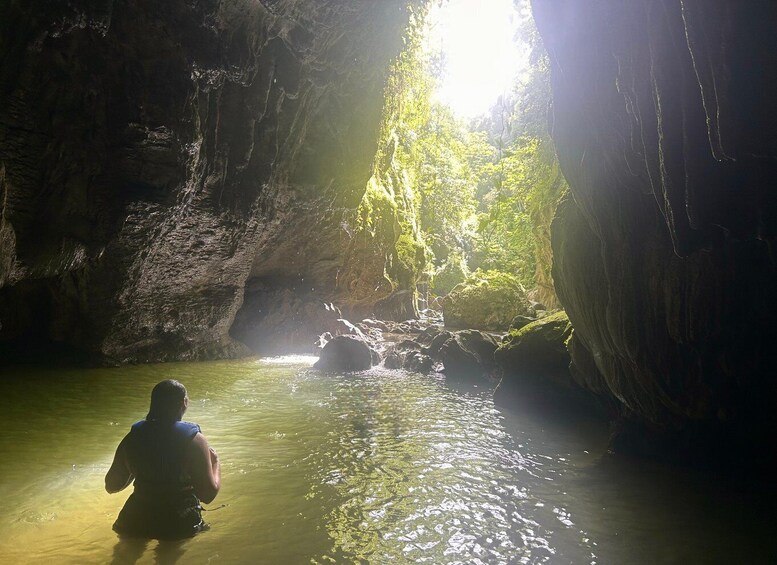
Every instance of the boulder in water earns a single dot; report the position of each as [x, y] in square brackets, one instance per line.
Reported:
[536, 354]
[433, 349]
[409, 355]
[345, 353]
[418, 362]
[468, 353]
[538, 348]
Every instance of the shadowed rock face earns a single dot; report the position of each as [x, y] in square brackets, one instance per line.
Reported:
[666, 129]
[154, 155]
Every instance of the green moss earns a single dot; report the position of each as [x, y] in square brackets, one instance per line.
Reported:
[410, 252]
[495, 279]
[556, 322]
[487, 300]
[386, 226]
[376, 205]
[452, 273]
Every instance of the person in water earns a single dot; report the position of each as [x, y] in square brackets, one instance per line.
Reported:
[173, 467]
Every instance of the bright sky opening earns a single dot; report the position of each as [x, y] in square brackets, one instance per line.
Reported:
[482, 56]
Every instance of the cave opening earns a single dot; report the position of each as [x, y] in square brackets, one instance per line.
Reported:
[477, 50]
[466, 161]
[208, 181]
[462, 187]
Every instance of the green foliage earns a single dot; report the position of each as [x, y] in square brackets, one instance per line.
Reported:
[386, 221]
[410, 253]
[523, 185]
[376, 204]
[463, 196]
[453, 272]
[528, 183]
[495, 279]
[486, 300]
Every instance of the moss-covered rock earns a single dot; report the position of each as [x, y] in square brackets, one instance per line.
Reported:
[538, 351]
[486, 301]
[451, 274]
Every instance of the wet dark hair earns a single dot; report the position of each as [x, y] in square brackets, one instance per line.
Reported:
[166, 399]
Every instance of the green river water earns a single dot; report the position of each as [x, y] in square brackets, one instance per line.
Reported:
[377, 467]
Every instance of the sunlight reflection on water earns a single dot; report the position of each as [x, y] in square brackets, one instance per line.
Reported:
[379, 466]
[304, 360]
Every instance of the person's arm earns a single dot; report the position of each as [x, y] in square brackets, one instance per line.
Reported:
[119, 475]
[204, 469]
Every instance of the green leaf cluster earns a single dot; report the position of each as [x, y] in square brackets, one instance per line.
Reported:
[463, 196]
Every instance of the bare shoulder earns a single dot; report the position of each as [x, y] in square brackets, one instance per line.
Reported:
[199, 439]
[199, 443]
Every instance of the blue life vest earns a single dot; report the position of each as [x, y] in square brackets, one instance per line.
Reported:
[157, 454]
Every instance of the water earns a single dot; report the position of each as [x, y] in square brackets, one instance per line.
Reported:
[377, 467]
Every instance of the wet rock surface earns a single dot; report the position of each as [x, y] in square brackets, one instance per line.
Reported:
[345, 353]
[156, 156]
[420, 345]
[535, 367]
[538, 350]
[468, 353]
[666, 130]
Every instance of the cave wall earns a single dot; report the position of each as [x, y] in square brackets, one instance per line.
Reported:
[664, 257]
[156, 155]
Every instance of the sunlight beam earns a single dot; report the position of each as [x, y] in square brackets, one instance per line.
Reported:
[477, 39]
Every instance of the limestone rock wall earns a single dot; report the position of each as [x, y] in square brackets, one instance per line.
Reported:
[666, 129]
[155, 155]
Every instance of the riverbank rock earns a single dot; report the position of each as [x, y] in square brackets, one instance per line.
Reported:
[468, 353]
[535, 363]
[538, 350]
[345, 353]
[488, 302]
[534, 359]
[408, 355]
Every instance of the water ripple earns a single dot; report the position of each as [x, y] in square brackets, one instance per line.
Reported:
[374, 467]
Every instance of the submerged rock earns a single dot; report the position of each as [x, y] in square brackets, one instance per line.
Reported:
[345, 353]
